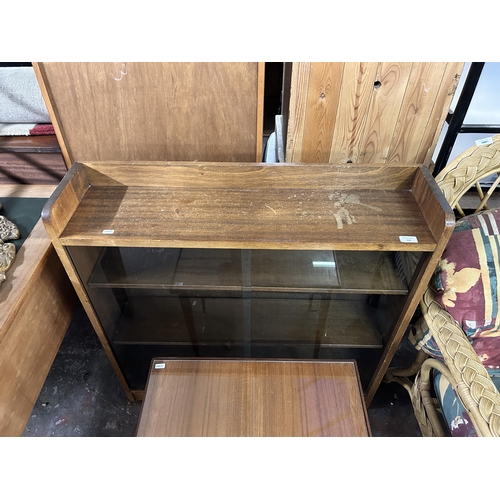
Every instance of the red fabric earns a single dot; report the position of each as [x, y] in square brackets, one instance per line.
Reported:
[43, 129]
[468, 282]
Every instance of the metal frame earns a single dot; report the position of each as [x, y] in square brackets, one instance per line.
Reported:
[455, 118]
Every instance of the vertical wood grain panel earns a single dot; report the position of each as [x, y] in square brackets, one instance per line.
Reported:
[384, 111]
[47, 97]
[155, 111]
[355, 97]
[418, 103]
[322, 104]
[297, 110]
[260, 111]
[447, 90]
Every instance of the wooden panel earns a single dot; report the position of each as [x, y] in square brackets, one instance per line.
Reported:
[419, 100]
[13, 291]
[355, 98]
[322, 101]
[31, 168]
[435, 208]
[253, 398]
[297, 111]
[155, 111]
[439, 113]
[26, 191]
[280, 219]
[37, 304]
[31, 342]
[29, 144]
[257, 176]
[385, 112]
[64, 201]
[242, 206]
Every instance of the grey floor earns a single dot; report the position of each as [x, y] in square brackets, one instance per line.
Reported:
[82, 395]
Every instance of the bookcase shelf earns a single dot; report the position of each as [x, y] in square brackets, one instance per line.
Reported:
[245, 256]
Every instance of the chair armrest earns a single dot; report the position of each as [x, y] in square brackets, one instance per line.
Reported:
[473, 383]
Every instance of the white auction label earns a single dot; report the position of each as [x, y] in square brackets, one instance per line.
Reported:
[408, 239]
[108, 231]
[485, 141]
[159, 366]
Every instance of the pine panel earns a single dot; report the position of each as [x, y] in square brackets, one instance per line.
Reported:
[355, 98]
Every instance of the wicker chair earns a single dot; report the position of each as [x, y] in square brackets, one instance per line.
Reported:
[462, 366]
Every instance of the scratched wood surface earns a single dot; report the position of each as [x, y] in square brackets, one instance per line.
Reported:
[155, 111]
[385, 112]
[253, 398]
[257, 206]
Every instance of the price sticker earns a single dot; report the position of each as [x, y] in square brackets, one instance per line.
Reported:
[485, 141]
[408, 239]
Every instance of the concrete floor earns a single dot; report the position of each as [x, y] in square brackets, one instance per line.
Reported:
[82, 395]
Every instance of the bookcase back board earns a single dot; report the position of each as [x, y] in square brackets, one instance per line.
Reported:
[155, 111]
[376, 112]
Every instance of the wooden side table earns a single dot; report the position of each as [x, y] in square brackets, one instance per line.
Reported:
[250, 397]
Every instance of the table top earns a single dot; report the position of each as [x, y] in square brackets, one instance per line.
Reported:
[253, 398]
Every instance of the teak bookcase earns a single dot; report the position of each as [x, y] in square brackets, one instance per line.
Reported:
[247, 260]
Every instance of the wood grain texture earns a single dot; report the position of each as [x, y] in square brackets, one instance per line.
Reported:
[259, 111]
[322, 102]
[47, 97]
[295, 119]
[419, 101]
[254, 206]
[386, 112]
[438, 116]
[253, 398]
[31, 341]
[205, 175]
[155, 111]
[29, 144]
[26, 191]
[355, 97]
[37, 304]
[64, 201]
[31, 168]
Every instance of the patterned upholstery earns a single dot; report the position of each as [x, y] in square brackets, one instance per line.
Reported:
[458, 360]
[467, 287]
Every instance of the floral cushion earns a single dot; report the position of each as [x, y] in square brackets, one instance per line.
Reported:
[467, 283]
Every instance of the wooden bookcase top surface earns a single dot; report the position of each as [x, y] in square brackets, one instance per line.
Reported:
[228, 205]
